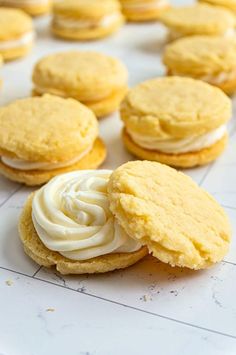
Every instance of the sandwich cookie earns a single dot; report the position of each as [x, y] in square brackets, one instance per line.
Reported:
[199, 19]
[143, 10]
[16, 33]
[68, 223]
[176, 121]
[208, 58]
[32, 7]
[45, 136]
[228, 4]
[97, 80]
[165, 210]
[86, 20]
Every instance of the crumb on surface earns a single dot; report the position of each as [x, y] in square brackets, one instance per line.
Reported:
[50, 310]
[9, 282]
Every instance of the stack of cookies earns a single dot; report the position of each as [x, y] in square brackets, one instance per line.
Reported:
[82, 220]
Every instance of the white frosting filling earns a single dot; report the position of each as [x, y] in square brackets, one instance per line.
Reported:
[143, 6]
[21, 41]
[178, 145]
[73, 23]
[174, 34]
[23, 2]
[71, 216]
[213, 79]
[30, 165]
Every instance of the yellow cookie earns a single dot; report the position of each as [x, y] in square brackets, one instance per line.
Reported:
[143, 10]
[68, 223]
[228, 4]
[16, 33]
[33, 8]
[166, 211]
[208, 58]
[198, 19]
[86, 20]
[177, 121]
[51, 135]
[95, 79]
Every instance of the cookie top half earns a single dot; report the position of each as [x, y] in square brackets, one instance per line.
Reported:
[88, 8]
[175, 106]
[82, 74]
[198, 19]
[46, 128]
[180, 223]
[14, 23]
[201, 55]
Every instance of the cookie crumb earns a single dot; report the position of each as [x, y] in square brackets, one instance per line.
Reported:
[9, 282]
[50, 310]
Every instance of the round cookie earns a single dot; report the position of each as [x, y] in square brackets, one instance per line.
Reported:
[165, 210]
[83, 236]
[31, 7]
[86, 20]
[97, 80]
[51, 135]
[199, 19]
[16, 33]
[176, 121]
[208, 58]
[143, 10]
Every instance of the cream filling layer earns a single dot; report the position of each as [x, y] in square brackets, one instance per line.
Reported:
[15, 43]
[213, 79]
[176, 145]
[143, 6]
[71, 216]
[23, 2]
[174, 34]
[77, 24]
[25, 165]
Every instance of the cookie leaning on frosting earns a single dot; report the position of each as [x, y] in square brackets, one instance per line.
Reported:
[42, 137]
[180, 223]
[176, 121]
[68, 223]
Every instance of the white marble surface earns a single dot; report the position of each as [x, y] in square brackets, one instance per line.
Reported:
[149, 308]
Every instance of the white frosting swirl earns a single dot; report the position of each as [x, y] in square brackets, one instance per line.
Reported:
[178, 145]
[71, 216]
[20, 164]
[24, 40]
[77, 24]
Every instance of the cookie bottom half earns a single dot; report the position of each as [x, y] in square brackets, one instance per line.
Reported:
[36, 250]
